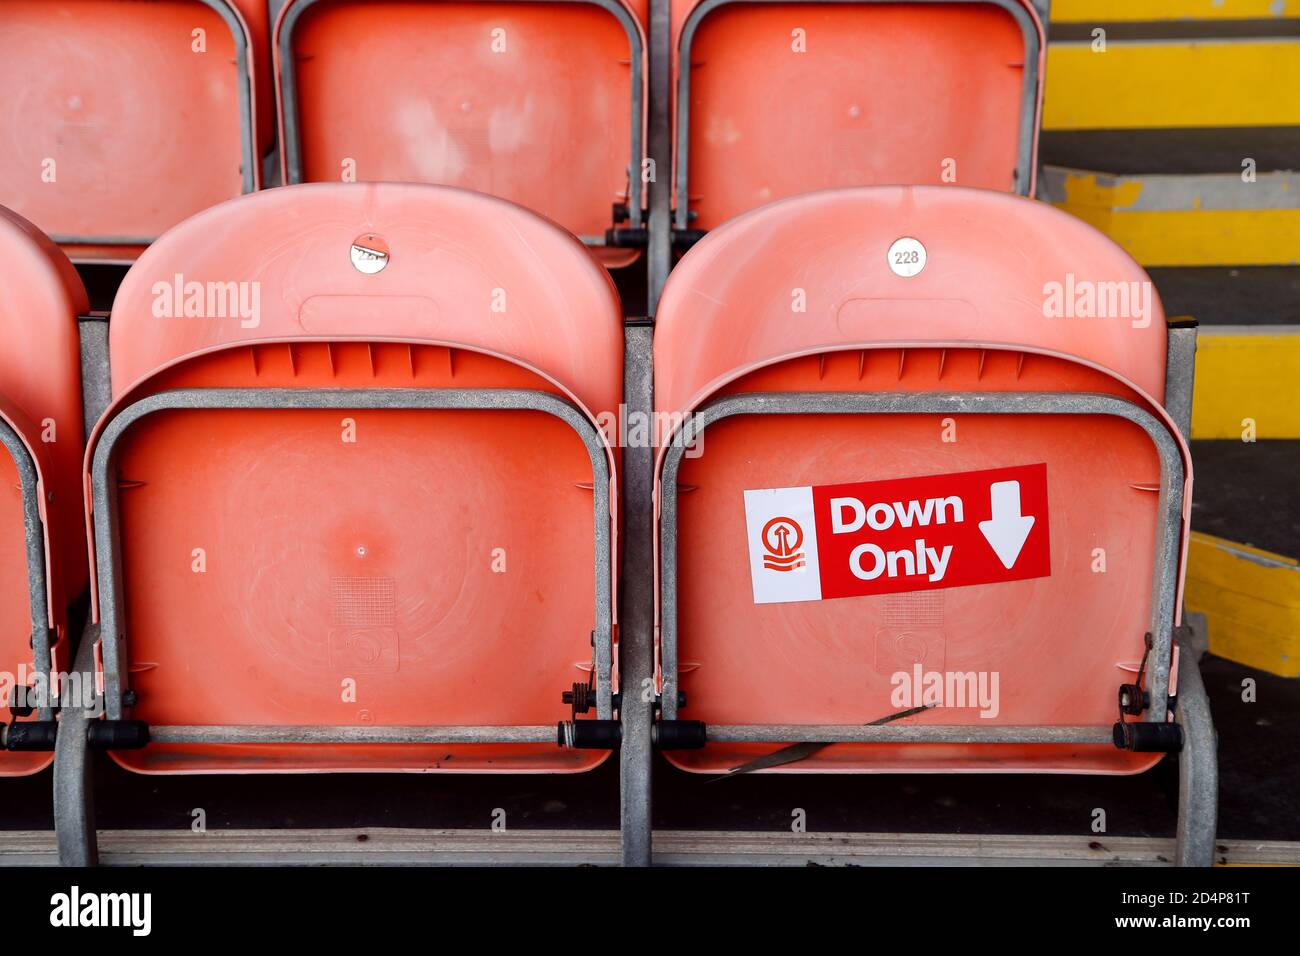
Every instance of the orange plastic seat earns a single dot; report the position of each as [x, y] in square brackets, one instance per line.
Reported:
[541, 103]
[359, 516]
[42, 538]
[802, 354]
[776, 98]
[129, 117]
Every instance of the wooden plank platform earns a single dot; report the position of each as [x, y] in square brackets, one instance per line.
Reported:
[600, 847]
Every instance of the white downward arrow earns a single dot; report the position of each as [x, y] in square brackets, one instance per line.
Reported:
[1007, 529]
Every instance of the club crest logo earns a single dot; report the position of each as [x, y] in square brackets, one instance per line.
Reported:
[782, 539]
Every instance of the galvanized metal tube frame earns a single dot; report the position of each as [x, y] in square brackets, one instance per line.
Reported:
[1167, 544]
[637, 592]
[636, 618]
[1180, 376]
[1198, 767]
[292, 144]
[659, 133]
[1028, 99]
[392, 734]
[905, 734]
[34, 541]
[74, 795]
[108, 547]
[247, 135]
[1198, 763]
[96, 382]
[74, 792]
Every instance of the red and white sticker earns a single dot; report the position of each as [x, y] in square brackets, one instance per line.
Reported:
[905, 534]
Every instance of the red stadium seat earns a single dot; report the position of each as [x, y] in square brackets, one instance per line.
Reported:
[133, 116]
[779, 97]
[934, 469]
[541, 103]
[42, 538]
[343, 498]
